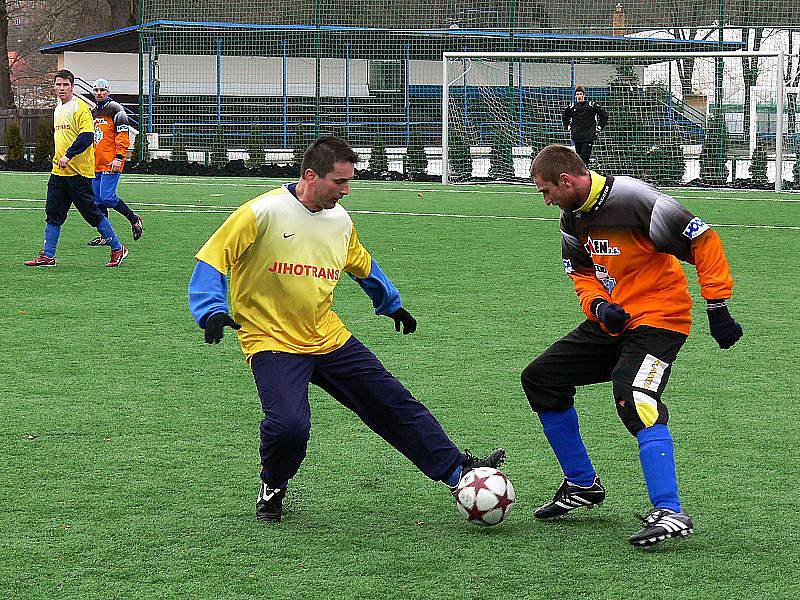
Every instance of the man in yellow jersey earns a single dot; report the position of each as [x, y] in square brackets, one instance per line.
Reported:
[73, 171]
[286, 251]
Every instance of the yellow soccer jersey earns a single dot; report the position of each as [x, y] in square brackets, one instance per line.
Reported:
[285, 262]
[70, 119]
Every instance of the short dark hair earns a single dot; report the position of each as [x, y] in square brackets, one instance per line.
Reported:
[63, 73]
[554, 160]
[580, 88]
[324, 153]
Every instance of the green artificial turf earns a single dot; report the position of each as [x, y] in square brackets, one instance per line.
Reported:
[130, 448]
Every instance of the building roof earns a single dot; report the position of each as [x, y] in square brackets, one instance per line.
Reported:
[365, 40]
[118, 40]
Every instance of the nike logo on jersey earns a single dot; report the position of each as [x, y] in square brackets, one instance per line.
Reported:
[287, 235]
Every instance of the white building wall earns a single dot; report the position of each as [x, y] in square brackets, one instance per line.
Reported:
[120, 69]
[263, 76]
[495, 73]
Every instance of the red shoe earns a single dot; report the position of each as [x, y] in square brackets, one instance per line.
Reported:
[117, 256]
[41, 261]
[137, 228]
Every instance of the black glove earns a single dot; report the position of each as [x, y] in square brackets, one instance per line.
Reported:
[402, 316]
[723, 326]
[612, 315]
[215, 324]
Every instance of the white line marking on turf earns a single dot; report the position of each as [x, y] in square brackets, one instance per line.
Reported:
[365, 185]
[223, 210]
[192, 208]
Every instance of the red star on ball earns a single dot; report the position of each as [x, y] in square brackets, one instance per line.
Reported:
[504, 501]
[480, 484]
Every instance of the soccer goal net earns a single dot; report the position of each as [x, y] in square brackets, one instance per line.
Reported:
[714, 118]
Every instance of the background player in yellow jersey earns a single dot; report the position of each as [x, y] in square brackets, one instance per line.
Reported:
[286, 251]
[73, 171]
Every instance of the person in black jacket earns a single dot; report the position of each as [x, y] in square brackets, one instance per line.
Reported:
[584, 120]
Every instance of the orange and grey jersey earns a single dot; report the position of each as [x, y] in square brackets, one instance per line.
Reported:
[624, 245]
[111, 137]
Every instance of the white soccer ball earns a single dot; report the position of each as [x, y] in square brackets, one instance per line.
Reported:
[485, 496]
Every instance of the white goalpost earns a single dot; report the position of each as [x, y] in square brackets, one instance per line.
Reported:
[674, 118]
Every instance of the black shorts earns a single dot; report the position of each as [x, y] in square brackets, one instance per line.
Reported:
[62, 192]
[638, 363]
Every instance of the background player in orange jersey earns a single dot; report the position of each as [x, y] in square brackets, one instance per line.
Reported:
[111, 141]
[622, 241]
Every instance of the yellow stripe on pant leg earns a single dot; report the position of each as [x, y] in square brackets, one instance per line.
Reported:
[646, 408]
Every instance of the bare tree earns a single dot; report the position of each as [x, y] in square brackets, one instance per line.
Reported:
[6, 92]
[694, 24]
[123, 13]
[55, 21]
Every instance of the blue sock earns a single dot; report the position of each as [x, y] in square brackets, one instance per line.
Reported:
[561, 430]
[454, 476]
[107, 231]
[657, 456]
[51, 233]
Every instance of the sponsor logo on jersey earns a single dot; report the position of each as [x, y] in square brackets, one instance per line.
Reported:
[602, 276]
[601, 199]
[284, 268]
[650, 373]
[568, 267]
[121, 128]
[695, 228]
[601, 248]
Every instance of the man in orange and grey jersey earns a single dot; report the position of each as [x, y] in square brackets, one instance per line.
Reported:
[622, 243]
[111, 141]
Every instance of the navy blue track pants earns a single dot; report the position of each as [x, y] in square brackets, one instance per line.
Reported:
[63, 191]
[356, 378]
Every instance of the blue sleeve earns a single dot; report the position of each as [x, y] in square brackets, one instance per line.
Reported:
[81, 143]
[208, 292]
[385, 297]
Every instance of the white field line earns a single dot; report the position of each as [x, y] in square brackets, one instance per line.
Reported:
[238, 182]
[193, 208]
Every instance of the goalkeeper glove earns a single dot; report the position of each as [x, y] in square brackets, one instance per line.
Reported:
[612, 315]
[724, 328]
[402, 317]
[215, 324]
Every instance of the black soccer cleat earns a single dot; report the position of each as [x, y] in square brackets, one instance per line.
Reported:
[569, 497]
[662, 524]
[269, 504]
[494, 459]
